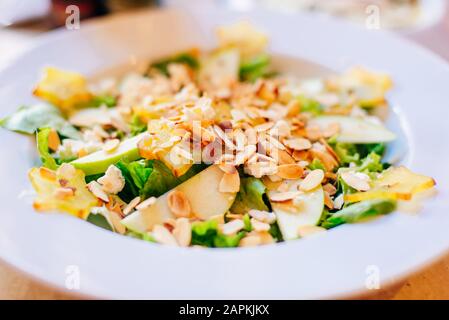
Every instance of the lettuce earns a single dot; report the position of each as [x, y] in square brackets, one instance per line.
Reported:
[360, 212]
[206, 234]
[28, 119]
[184, 58]
[99, 220]
[250, 196]
[255, 68]
[141, 236]
[371, 163]
[102, 100]
[310, 105]
[346, 152]
[316, 164]
[137, 126]
[42, 147]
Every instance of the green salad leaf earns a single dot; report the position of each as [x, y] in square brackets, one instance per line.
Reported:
[137, 126]
[310, 105]
[254, 68]
[28, 119]
[103, 100]
[99, 220]
[206, 233]
[185, 58]
[360, 212]
[42, 147]
[250, 196]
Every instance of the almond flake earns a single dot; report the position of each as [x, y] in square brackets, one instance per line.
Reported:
[298, 144]
[305, 231]
[232, 227]
[313, 133]
[63, 193]
[96, 189]
[242, 156]
[328, 201]
[115, 219]
[312, 180]
[260, 169]
[251, 135]
[163, 236]
[146, 203]
[113, 181]
[264, 127]
[111, 145]
[183, 232]
[290, 171]
[230, 182]
[339, 201]
[178, 204]
[358, 182]
[240, 139]
[329, 188]
[131, 205]
[259, 226]
[331, 130]
[263, 216]
[283, 196]
[250, 241]
[53, 140]
[66, 171]
[223, 136]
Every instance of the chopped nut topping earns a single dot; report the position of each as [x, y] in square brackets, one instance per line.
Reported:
[163, 236]
[250, 241]
[113, 181]
[356, 180]
[298, 144]
[290, 171]
[232, 227]
[146, 203]
[131, 205]
[178, 204]
[259, 226]
[96, 189]
[263, 216]
[312, 180]
[183, 232]
[283, 196]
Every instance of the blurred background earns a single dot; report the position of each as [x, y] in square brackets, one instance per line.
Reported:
[424, 21]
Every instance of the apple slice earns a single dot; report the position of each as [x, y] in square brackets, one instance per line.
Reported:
[304, 210]
[202, 193]
[99, 161]
[220, 69]
[355, 130]
[397, 183]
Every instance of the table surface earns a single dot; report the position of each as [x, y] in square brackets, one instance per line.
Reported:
[430, 283]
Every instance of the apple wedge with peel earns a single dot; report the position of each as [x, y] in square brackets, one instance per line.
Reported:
[202, 193]
[99, 161]
[396, 183]
[304, 210]
[355, 130]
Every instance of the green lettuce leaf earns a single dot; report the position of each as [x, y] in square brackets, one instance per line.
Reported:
[360, 212]
[137, 126]
[206, 233]
[42, 147]
[185, 58]
[254, 68]
[99, 220]
[250, 196]
[28, 119]
[310, 105]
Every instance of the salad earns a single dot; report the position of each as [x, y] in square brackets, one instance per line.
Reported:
[215, 148]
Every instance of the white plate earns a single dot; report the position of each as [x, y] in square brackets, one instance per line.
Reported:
[55, 247]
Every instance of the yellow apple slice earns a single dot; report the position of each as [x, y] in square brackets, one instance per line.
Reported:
[355, 130]
[202, 193]
[397, 183]
[304, 210]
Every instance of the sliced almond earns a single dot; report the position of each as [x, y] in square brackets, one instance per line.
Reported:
[298, 144]
[264, 127]
[66, 171]
[290, 171]
[183, 232]
[115, 219]
[251, 135]
[339, 202]
[230, 182]
[259, 226]
[356, 180]
[223, 136]
[260, 169]
[313, 133]
[178, 204]
[232, 227]
[251, 241]
[146, 203]
[240, 139]
[328, 201]
[111, 145]
[97, 191]
[263, 216]
[163, 236]
[331, 130]
[242, 156]
[312, 180]
[53, 140]
[330, 189]
[305, 231]
[63, 193]
[131, 205]
[283, 196]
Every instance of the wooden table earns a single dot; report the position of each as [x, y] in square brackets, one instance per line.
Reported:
[431, 283]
